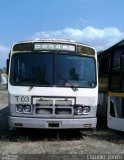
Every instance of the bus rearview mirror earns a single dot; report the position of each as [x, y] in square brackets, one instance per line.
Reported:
[7, 66]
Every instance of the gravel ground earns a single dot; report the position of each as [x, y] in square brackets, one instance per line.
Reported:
[52, 142]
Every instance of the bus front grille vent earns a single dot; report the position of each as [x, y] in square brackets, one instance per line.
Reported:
[54, 107]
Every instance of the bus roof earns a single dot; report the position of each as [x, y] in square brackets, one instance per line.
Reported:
[27, 45]
[108, 51]
[48, 40]
[54, 40]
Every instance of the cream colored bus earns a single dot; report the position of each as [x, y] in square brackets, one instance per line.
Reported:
[53, 84]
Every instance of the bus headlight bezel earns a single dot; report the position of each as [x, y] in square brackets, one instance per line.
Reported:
[86, 109]
[81, 110]
[23, 109]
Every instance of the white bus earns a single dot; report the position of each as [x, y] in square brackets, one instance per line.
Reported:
[111, 86]
[52, 84]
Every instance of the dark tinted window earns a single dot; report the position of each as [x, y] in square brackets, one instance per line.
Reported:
[104, 66]
[116, 74]
[46, 69]
[28, 69]
[78, 70]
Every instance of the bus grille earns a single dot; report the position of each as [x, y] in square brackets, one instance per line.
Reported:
[57, 111]
[53, 107]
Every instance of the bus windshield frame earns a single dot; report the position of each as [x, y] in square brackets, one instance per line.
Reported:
[53, 69]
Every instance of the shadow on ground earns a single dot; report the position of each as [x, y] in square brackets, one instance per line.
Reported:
[4, 118]
[39, 135]
[103, 133]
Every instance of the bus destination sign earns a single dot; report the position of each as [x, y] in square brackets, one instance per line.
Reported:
[54, 46]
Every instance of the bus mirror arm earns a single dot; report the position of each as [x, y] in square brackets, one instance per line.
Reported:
[7, 66]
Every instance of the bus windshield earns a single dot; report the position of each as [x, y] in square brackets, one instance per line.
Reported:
[49, 69]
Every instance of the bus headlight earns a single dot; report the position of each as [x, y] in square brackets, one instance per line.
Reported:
[27, 109]
[78, 110]
[86, 110]
[19, 108]
[23, 108]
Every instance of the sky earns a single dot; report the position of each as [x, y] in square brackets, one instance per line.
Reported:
[98, 23]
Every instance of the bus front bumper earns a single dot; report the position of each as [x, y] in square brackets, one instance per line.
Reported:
[22, 122]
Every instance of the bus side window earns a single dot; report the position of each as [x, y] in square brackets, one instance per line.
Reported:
[103, 66]
[115, 72]
[112, 111]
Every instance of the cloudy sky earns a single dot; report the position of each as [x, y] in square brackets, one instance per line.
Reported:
[94, 22]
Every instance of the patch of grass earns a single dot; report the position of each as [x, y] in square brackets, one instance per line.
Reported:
[22, 135]
[33, 135]
[108, 135]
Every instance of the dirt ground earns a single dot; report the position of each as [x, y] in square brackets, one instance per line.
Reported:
[67, 144]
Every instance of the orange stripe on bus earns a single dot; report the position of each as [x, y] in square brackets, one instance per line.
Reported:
[116, 94]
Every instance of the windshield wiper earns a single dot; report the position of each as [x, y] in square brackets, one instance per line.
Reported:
[74, 88]
[34, 82]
